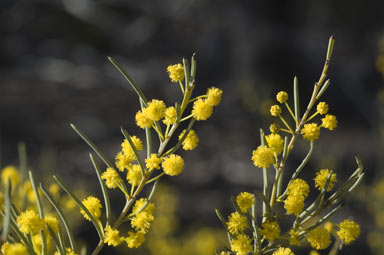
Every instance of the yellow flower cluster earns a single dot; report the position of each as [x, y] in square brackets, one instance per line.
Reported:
[319, 238]
[263, 157]
[349, 231]
[173, 165]
[176, 72]
[93, 205]
[321, 179]
[191, 141]
[283, 251]
[241, 245]
[237, 223]
[270, 230]
[297, 191]
[245, 201]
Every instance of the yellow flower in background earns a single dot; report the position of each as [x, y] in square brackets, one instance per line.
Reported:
[241, 245]
[275, 143]
[270, 230]
[173, 165]
[319, 238]
[214, 96]
[349, 231]
[112, 236]
[275, 110]
[283, 251]
[263, 157]
[13, 249]
[329, 122]
[176, 72]
[170, 116]
[202, 109]
[10, 173]
[321, 179]
[94, 207]
[29, 222]
[191, 141]
[54, 189]
[322, 108]
[153, 162]
[245, 201]
[282, 97]
[142, 120]
[311, 131]
[237, 223]
[298, 187]
[135, 239]
[111, 178]
[329, 226]
[134, 175]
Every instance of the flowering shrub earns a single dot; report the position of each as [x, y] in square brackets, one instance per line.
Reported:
[33, 231]
[251, 232]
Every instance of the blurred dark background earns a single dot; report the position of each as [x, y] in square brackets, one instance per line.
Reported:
[54, 71]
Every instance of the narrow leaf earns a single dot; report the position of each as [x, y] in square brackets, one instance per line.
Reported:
[62, 217]
[93, 146]
[103, 189]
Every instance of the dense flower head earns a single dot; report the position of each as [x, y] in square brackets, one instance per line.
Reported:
[176, 72]
[112, 236]
[123, 161]
[270, 230]
[241, 245]
[153, 162]
[142, 120]
[319, 238]
[322, 108]
[282, 96]
[10, 173]
[134, 175]
[126, 147]
[155, 109]
[140, 204]
[214, 96]
[111, 178]
[298, 187]
[311, 131]
[29, 222]
[274, 128]
[245, 201]
[329, 122]
[275, 110]
[263, 157]
[294, 237]
[283, 251]
[173, 165]
[275, 143]
[13, 249]
[142, 221]
[191, 141]
[321, 179]
[170, 116]
[237, 223]
[349, 231]
[135, 239]
[52, 222]
[294, 204]
[202, 109]
[94, 207]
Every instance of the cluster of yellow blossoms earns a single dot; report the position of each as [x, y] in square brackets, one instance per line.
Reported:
[249, 233]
